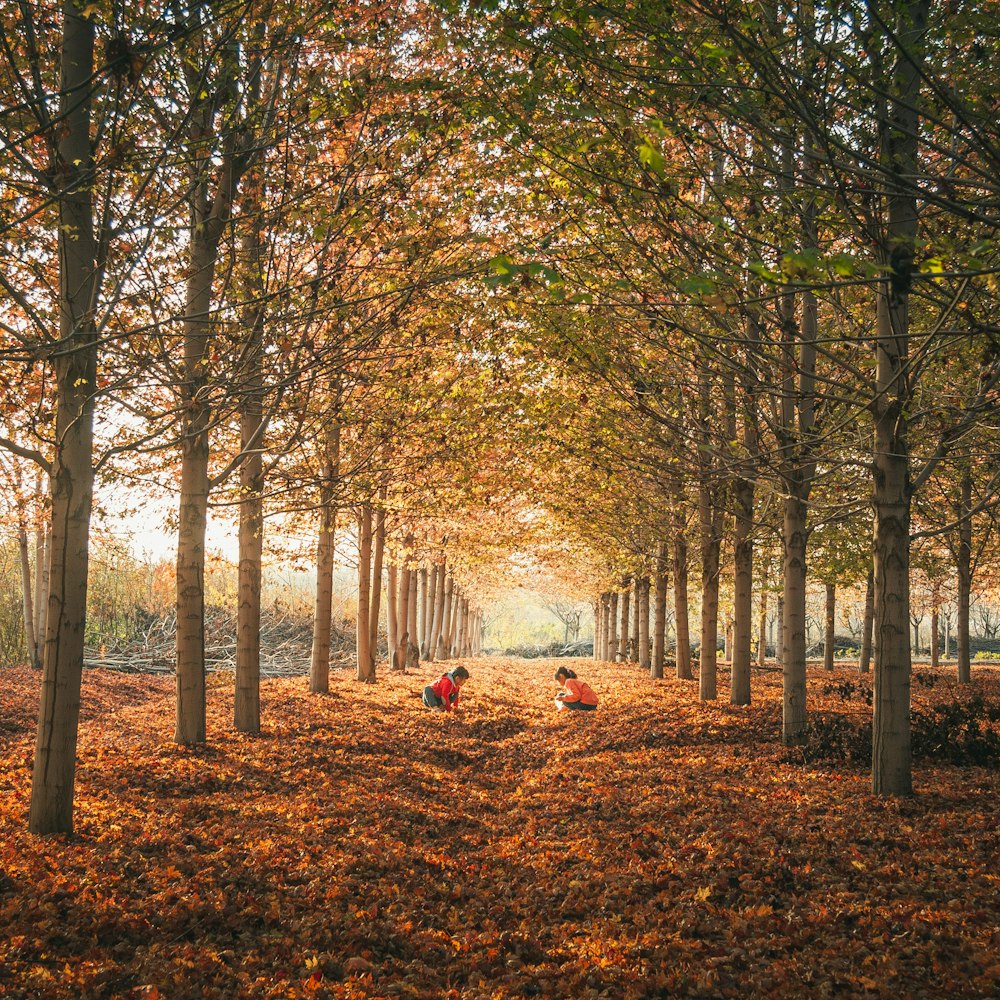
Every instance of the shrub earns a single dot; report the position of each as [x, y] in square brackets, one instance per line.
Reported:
[960, 732]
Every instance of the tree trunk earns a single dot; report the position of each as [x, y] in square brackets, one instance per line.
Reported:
[739, 681]
[376, 592]
[830, 622]
[429, 582]
[793, 654]
[891, 751]
[444, 643]
[403, 612]
[935, 636]
[246, 704]
[41, 582]
[643, 631]
[27, 596]
[72, 474]
[624, 606]
[710, 552]
[438, 617]
[659, 612]
[633, 642]
[963, 567]
[762, 629]
[413, 646]
[246, 707]
[779, 628]
[366, 662]
[864, 663]
[319, 670]
[392, 613]
[681, 627]
[613, 626]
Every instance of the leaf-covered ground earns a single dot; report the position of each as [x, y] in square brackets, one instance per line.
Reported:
[365, 847]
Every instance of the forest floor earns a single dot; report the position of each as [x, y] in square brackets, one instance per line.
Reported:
[363, 846]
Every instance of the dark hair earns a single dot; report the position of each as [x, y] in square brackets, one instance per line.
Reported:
[460, 674]
[565, 672]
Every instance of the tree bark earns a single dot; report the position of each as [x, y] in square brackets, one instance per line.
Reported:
[793, 654]
[72, 475]
[963, 567]
[438, 617]
[642, 583]
[624, 607]
[710, 539]
[444, 643]
[376, 591]
[739, 682]
[613, 626]
[246, 703]
[891, 751]
[27, 596]
[392, 612]
[366, 662]
[681, 626]
[659, 612]
[762, 629]
[830, 625]
[319, 670]
[41, 582]
[865, 660]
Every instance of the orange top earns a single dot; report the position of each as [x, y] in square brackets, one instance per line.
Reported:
[577, 690]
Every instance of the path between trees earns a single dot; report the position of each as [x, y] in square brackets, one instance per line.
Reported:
[365, 847]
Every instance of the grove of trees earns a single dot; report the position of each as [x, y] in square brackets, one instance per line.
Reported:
[693, 303]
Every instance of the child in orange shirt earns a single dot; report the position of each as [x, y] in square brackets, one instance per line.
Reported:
[574, 693]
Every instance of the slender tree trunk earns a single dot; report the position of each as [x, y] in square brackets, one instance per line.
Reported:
[27, 595]
[438, 618]
[624, 607]
[793, 654]
[963, 566]
[659, 612]
[891, 752]
[402, 617]
[864, 663]
[613, 627]
[642, 602]
[246, 703]
[376, 593]
[412, 618]
[681, 627]
[830, 625]
[41, 582]
[246, 706]
[319, 670]
[710, 554]
[935, 636]
[72, 474]
[633, 643]
[429, 578]
[366, 662]
[392, 613]
[739, 681]
[444, 643]
[762, 629]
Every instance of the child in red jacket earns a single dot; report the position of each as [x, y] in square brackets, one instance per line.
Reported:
[442, 695]
[574, 694]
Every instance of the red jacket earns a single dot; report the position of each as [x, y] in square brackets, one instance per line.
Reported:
[447, 690]
[577, 690]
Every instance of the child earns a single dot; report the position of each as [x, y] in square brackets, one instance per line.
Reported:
[575, 694]
[442, 695]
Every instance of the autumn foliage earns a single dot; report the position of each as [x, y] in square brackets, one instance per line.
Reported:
[365, 847]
